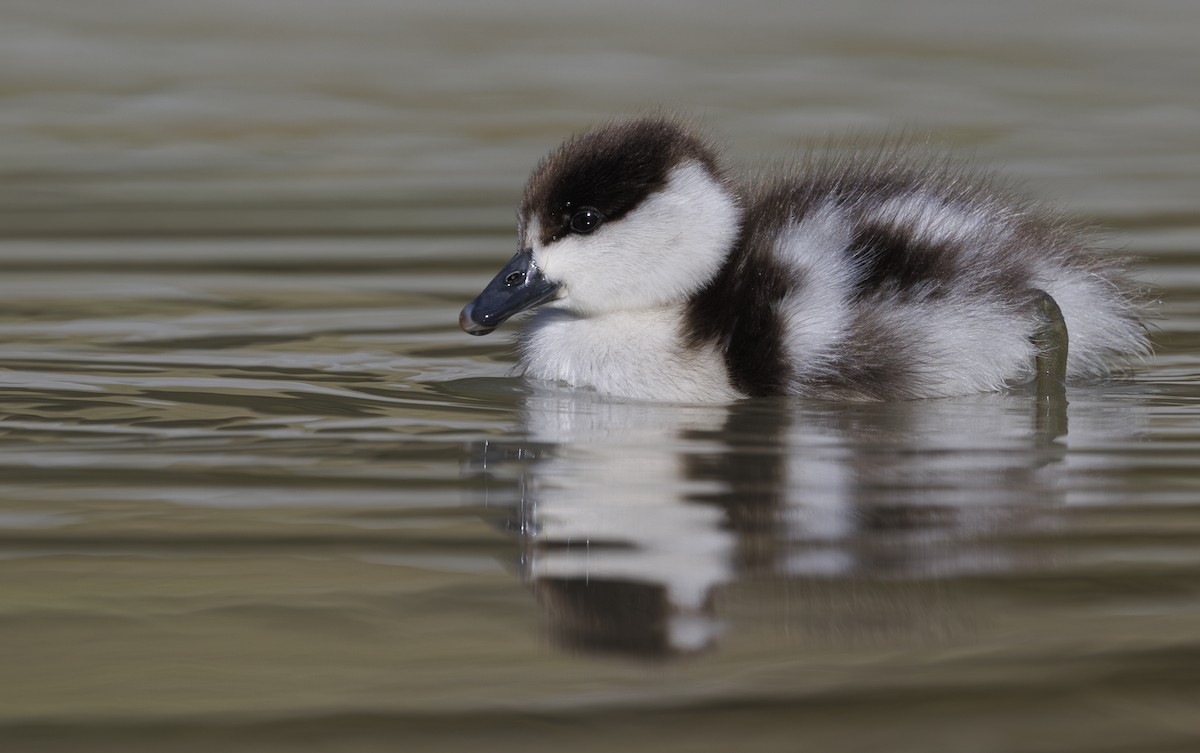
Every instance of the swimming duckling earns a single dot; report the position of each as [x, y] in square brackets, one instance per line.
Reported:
[862, 278]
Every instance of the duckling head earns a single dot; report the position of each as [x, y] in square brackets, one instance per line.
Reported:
[633, 215]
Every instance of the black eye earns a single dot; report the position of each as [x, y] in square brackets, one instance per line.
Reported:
[585, 221]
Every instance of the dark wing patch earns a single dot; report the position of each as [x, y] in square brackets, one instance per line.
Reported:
[738, 312]
[891, 260]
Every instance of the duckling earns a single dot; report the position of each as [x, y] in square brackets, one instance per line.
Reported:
[656, 276]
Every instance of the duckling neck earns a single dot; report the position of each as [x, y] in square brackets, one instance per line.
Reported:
[639, 354]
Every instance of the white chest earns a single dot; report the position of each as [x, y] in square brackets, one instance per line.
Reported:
[634, 354]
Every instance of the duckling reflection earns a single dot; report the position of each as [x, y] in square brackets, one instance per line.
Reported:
[619, 546]
[633, 518]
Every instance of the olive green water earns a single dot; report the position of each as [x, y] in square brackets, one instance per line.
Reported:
[258, 493]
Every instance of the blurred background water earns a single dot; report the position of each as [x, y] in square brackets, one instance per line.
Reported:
[258, 492]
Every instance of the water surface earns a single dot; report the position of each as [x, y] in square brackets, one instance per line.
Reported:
[257, 491]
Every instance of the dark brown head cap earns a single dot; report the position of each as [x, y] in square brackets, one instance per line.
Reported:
[610, 169]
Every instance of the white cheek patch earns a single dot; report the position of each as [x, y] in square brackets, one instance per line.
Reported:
[661, 252]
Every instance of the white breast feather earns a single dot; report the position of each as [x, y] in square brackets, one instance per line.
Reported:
[634, 354]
